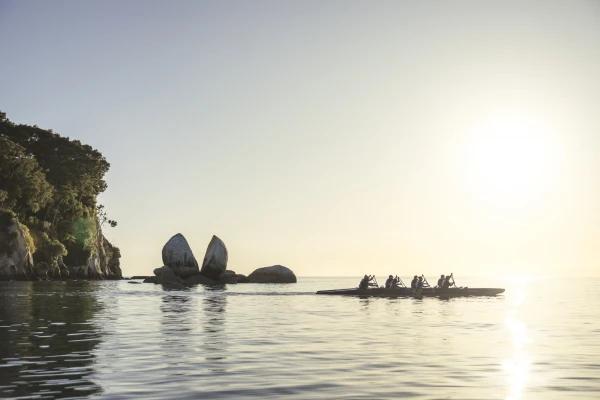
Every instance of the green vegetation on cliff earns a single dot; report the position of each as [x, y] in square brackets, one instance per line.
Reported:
[51, 183]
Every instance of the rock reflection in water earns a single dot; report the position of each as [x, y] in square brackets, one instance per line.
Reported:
[175, 319]
[176, 327]
[190, 336]
[47, 339]
[215, 339]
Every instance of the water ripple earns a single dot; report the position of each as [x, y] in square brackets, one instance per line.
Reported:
[117, 341]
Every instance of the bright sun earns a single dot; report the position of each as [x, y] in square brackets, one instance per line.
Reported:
[511, 162]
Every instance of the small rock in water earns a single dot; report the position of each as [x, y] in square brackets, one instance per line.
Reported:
[170, 280]
[230, 276]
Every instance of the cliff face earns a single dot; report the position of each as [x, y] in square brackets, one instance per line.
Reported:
[102, 263]
[16, 252]
[17, 248]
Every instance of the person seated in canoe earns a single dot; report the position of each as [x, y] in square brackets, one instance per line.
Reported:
[364, 283]
[417, 287]
[389, 283]
[449, 282]
[413, 283]
[395, 281]
[440, 283]
[422, 283]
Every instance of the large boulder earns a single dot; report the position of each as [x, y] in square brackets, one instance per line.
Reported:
[177, 255]
[273, 274]
[215, 260]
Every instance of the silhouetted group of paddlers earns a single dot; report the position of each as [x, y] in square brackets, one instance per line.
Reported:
[418, 282]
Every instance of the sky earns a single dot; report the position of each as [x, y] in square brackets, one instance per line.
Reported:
[333, 137]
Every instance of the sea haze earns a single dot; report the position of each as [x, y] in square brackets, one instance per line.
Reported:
[114, 339]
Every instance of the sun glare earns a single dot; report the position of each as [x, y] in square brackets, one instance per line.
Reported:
[511, 161]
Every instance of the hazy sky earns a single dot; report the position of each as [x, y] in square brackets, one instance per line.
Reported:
[334, 137]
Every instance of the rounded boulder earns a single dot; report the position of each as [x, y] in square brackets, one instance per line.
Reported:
[177, 255]
[215, 259]
[272, 274]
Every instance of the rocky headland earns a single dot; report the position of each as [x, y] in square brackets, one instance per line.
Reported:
[50, 220]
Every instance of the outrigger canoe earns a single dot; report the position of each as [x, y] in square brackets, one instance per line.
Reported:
[408, 292]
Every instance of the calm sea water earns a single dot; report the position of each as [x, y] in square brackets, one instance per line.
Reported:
[120, 340]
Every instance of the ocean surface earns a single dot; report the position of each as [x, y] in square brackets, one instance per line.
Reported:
[539, 340]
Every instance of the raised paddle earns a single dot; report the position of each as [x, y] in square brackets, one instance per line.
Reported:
[425, 281]
[373, 282]
[399, 281]
[452, 276]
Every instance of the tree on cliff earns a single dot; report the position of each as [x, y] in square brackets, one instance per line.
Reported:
[23, 185]
[51, 183]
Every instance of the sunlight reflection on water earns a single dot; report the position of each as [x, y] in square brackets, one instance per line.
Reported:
[517, 366]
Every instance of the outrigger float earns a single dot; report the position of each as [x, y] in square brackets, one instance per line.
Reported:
[408, 292]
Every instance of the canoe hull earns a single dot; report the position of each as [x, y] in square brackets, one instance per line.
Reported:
[407, 292]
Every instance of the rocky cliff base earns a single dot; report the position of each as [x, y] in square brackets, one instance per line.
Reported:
[18, 255]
